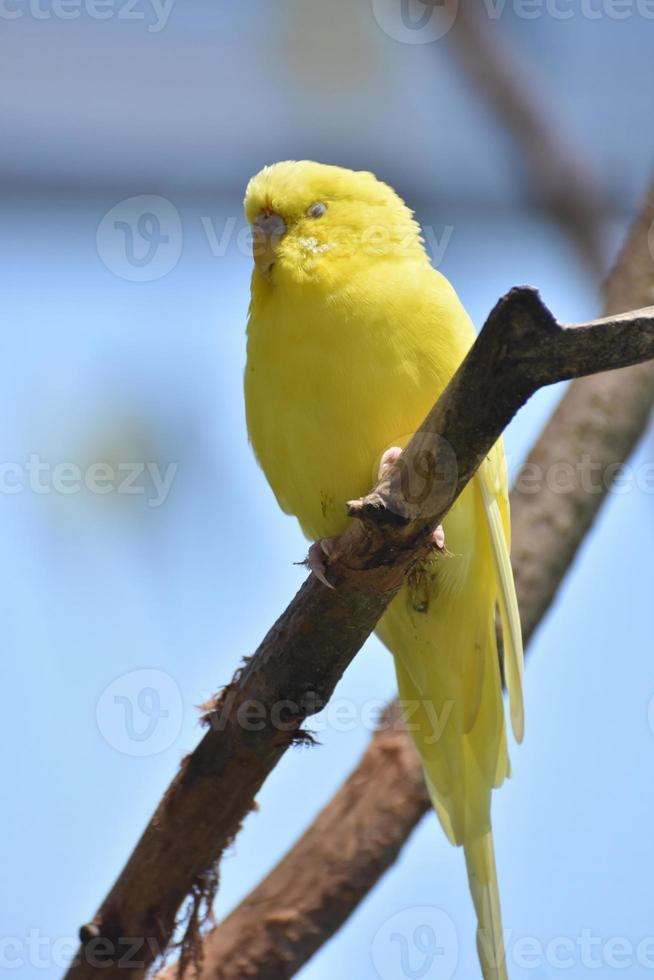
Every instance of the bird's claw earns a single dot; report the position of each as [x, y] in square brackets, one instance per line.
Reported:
[438, 538]
[388, 459]
[318, 552]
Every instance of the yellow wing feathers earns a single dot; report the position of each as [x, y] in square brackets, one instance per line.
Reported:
[351, 338]
[495, 501]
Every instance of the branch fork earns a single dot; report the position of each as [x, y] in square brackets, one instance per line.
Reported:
[298, 664]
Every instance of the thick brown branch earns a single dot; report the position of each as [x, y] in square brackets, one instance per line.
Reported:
[298, 664]
[316, 886]
[523, 348]
[359, 834]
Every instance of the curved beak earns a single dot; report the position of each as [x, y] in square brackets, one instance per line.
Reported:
[268, 230]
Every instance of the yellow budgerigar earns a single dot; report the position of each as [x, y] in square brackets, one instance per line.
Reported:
[352, 335]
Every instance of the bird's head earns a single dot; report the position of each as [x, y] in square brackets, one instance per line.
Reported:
[309, 221]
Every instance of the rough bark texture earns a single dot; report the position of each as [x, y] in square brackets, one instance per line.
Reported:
[359, 834]
[281, 922]
[300, 661]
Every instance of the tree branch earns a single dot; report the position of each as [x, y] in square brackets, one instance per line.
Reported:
[563, 185]
[259, 714]
[336, 862]
[359, 834]
[598, 420]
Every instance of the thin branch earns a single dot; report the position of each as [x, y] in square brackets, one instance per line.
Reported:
[359, 834]
[257, 717]
[563, 185]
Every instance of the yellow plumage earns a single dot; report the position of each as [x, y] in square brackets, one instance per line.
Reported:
[351, 338]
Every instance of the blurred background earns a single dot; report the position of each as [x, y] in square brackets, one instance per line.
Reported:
[129, 133]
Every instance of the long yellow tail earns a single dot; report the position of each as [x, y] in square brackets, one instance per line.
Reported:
[482, 878]
[443, 637]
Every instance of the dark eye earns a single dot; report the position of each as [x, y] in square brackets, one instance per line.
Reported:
[316, 210]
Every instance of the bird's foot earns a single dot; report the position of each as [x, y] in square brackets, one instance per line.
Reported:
[438, 538]
[389, 458]
[316, 559]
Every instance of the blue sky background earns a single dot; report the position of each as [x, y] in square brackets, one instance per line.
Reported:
[105, 597]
